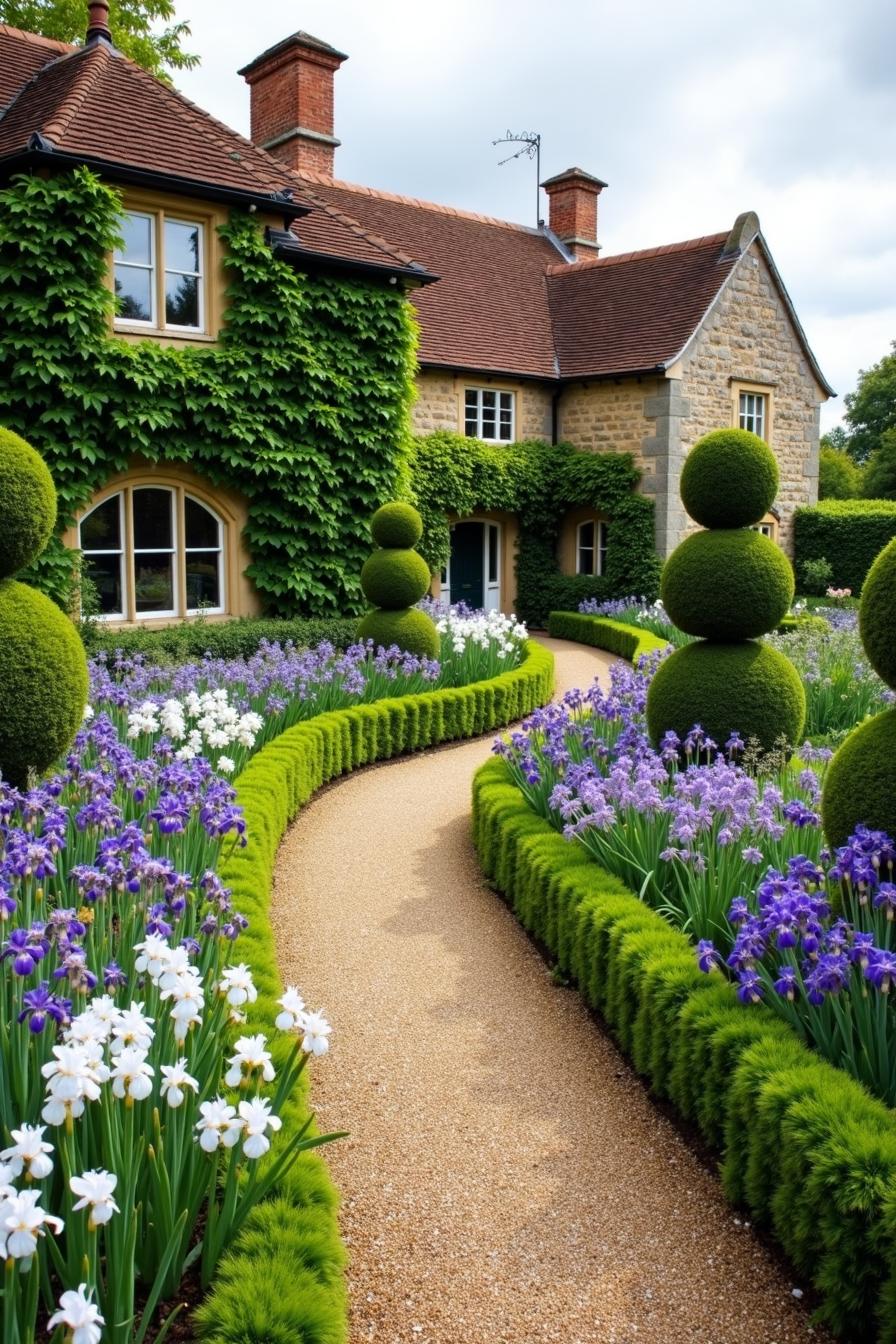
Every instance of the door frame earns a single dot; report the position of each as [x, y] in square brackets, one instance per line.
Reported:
[492, 537]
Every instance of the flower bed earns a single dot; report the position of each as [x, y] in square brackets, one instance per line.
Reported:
[602, 633]
[841, 687]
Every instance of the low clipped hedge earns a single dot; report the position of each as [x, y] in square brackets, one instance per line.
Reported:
[848, 533]
[282, 1282]
[627, 641]
[222, 639]
[803, 1146]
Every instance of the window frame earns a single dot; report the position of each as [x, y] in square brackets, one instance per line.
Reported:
[598, 548]
[477, 418]
[741, 388]
[159, 216]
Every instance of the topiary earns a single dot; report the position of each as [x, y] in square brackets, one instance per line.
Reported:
[729, 479]
[393, 579]
[28, 499]
[731, 584]
[877, 615]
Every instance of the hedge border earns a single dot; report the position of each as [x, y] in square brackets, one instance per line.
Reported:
[803, 1146]
[601, 633]
[283, 1279]
[848, 533]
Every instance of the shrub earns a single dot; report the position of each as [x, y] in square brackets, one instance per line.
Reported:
[627, 641]
[880, 474]
[28, 499]
[729, 479]
[860, 788]
[397, 525]
[409, 628]
[395, 578]
[240, 638]
[848, 533]
[43, 682]
[838, 475]
[746, 688]
[727, 584]
[816, 576]
[877, 615]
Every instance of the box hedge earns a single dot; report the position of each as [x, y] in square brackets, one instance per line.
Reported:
[627, 641]
[283, 1281]
[848, 533]
[803, 1146]
[222, 639]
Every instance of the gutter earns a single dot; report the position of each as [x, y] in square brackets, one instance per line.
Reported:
[286, 247]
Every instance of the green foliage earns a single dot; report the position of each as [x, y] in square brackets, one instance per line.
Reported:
[860, 784]
[877, 615]
[396, 525]
[540, 482]
[727, 584]
[409, 627]
[804, 1147]
[848, 533]
[838, 475]
[393, 578]
[190, 640]
[879, 481]
[729, 479]
[133, 23]
[816, 576]
[43, 682]
[871, 409]
[302, 406]
[28, 500]
[744, 687]
[601, 633]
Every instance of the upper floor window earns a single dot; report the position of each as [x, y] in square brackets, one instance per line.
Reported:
[154, 551]
[159, 273]
[591, 547]
[488, 414]
[753, 412]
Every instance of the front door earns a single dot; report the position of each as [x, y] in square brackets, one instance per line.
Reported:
[467, 567]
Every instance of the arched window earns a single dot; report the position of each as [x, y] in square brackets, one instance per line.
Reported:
[152, 552]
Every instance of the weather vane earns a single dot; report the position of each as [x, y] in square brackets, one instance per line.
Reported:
[529, 145]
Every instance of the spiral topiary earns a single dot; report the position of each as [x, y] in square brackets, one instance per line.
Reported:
[728, 585]
[860, 785]
[393, 579]
[43, 668]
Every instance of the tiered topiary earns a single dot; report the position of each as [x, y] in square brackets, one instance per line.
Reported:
[393, 579]
[860, 786]
[43, 668]
[728, 585]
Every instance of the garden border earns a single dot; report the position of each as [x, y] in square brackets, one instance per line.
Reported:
[803, 1145]
[283, 1278]
[627, 641]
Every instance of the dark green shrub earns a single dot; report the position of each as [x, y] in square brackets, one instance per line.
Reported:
[27, 502]
[748, 688]
[877, 615]
[816, 576]
[43, 682]
[848, 533]
[727, 584]
[240, 638]
[395, 578]
[729, 479]
[409, 628]
[860, 785]
[397, 525]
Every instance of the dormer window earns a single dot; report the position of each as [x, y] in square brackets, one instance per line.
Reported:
[159, 273]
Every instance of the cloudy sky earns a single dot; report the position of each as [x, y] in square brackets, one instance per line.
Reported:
[691, 112]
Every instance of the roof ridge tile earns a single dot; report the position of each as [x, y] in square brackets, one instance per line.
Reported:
[644, 254]
[322, 180]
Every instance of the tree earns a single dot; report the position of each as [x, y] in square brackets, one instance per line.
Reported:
[871, 409]
[134, 23]
[836, 438]
[880, 474]
[838, 475]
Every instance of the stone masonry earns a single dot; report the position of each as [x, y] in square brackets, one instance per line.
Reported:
[440, 403]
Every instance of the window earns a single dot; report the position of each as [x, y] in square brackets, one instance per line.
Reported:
[488, 414]
[768, 528]
[154, 551]
[158, 273]
[591, 548]
[752, 413]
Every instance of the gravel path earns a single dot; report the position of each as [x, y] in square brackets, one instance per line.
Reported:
[507, 1180]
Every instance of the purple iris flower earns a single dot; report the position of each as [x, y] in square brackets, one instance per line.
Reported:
[749, 987]
[881, 968]
[113, 976]
[24, 950]
[786, 983]
[40, 1004]
[707, 956]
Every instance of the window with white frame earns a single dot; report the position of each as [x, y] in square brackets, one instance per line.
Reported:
[753, 412]
[488, 414]
[591, 547]
[767, 529]
[154, 551]
[159, 273]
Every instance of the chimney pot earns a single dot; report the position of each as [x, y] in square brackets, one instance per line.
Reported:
[291, 89]
[572, 210]
[98, 22]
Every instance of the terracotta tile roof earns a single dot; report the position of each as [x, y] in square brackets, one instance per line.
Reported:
[21, 56]
[634, 311]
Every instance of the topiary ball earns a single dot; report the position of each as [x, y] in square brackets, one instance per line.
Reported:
[27, 503]
[43, 682]
[877, 614]
[398, 525]
[729, 479]
[860, 784]
[395, 579]
[412, 630]
[727, 585]
[746, 688]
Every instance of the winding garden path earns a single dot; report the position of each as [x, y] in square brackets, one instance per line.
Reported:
[507, 1179]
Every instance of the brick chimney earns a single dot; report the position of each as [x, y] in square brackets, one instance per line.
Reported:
[292, 102]
[572, 210]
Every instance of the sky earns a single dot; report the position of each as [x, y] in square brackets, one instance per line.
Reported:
[692, 112]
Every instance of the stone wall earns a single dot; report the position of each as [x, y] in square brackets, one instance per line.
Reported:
[749, 338]
[608, 417]
[440, 403]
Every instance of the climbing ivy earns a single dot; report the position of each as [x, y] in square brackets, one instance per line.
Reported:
[302, 406]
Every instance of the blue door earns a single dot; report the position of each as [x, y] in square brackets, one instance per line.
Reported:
[467, 564]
